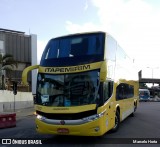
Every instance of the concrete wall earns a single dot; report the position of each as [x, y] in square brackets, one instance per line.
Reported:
[22, 100]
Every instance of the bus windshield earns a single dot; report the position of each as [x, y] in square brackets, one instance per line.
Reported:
[68, 90]
[75, 45]
[144, 94]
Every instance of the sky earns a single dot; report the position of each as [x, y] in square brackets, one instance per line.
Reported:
[135, 24]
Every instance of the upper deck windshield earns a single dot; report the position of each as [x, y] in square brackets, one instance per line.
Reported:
[68, 90]
[75, 45]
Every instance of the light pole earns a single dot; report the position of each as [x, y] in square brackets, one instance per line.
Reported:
[152, 79]
[152, 68]
[152, 74]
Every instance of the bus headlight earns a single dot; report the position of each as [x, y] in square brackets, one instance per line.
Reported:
[40, 117]
[94, 117]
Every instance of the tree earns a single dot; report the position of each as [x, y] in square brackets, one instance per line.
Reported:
[7, 63]
[143, 85]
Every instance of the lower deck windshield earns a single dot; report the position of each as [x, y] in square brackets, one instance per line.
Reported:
[68, 90]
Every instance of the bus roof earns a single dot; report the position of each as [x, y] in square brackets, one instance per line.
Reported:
[82, 33]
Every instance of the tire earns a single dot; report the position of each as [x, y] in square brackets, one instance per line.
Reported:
[117, 122]
[135, 108]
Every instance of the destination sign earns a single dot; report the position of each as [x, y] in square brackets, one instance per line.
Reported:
[70, 69]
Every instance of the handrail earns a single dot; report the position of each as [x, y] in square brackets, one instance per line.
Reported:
[25, 73]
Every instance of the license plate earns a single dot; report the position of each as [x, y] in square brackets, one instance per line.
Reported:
[63, 130]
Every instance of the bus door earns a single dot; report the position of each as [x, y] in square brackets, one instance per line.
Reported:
[121, 99]
[108, 92]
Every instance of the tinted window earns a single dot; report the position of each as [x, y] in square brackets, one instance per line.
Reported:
[130, 91]
[76, 45]
[124, 91]
[108, 90]
[69, 89]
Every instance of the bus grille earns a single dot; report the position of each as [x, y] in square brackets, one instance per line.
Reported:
[68, 116]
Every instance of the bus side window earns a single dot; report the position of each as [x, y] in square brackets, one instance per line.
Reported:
[130, 91]
[120, 91]
[108, 90]
[124, 91]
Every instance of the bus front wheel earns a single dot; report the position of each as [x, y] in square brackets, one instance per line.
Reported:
[135, 108]
[117, 122]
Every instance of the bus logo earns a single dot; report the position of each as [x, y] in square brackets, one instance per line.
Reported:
[67, 69]
[62, 122]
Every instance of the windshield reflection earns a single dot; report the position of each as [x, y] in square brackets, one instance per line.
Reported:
[68, 90]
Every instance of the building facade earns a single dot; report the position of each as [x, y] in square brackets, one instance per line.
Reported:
[22, 47]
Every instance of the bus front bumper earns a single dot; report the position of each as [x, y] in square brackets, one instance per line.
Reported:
[92, 128]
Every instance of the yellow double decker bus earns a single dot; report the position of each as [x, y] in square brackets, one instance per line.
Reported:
[86, 85]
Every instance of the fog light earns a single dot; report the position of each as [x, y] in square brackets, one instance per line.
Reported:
[96, 129]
